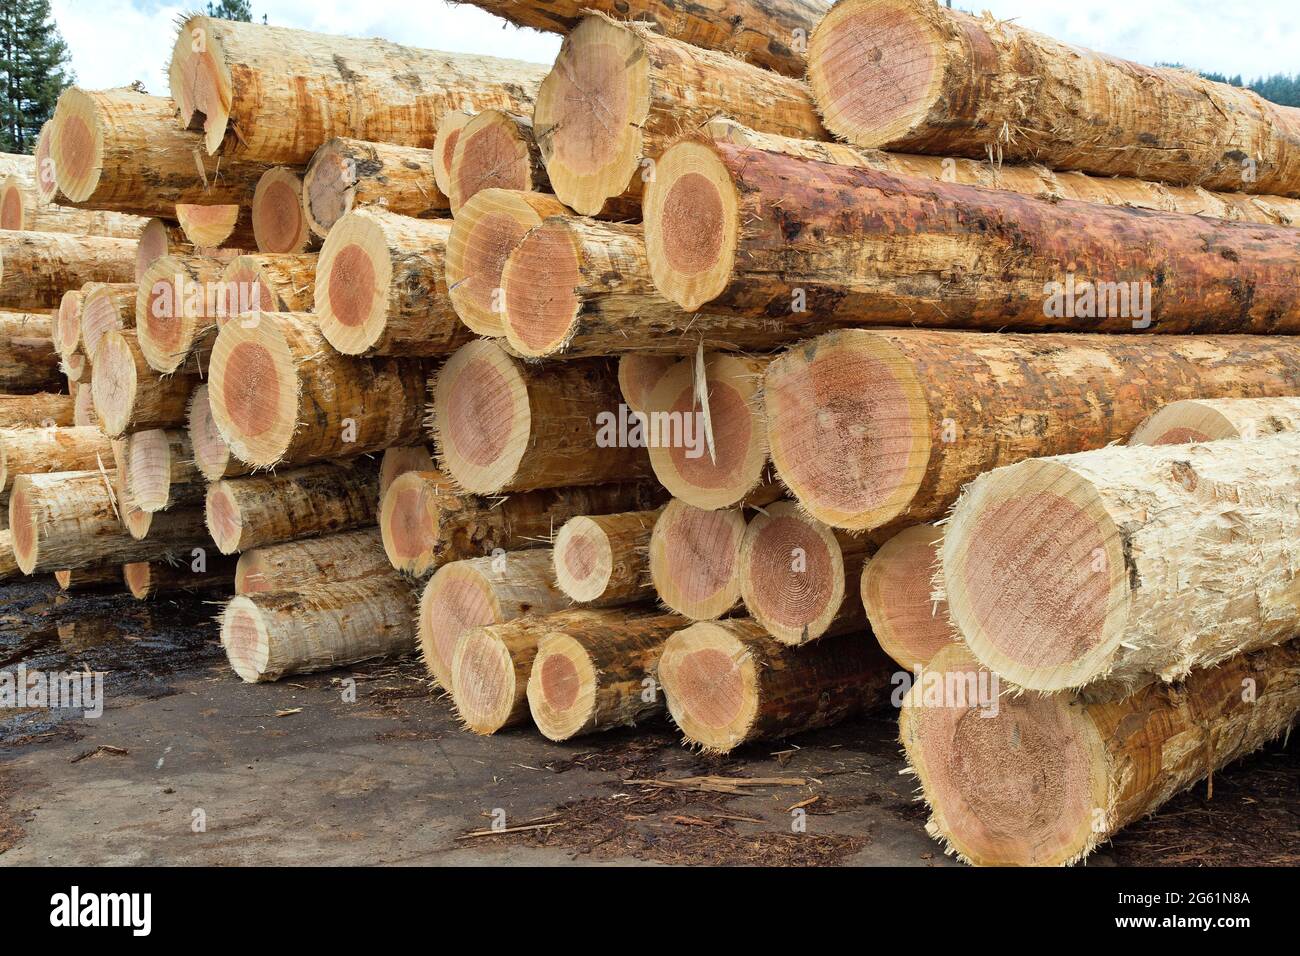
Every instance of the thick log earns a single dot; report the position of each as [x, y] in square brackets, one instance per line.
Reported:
[768, 33]
[427, 523]
[619, 92]
[912, 75]
[275, 94]
[28, 361]
[695, 559]
[486, 230]
[121, 150]
[346, 174]
[277, 633]
[728, 683]
[762, 233]
[268, 283]
[280, 225]
[105, 307]
[29, 451]
[280, 394]
[874, 428]
[381, 288]
[41, 410]
[908, 618]
[502, 425]
[294, 565]
[444, 147]
[202, 575]
[496, 150]
[211, 227]
[465, 595]
[1212, 419]
[638, 374]
[587, 680]
[160, 469]
[1126, 564]
[179, 301]
[1044, 780]
[36, 268]
[604, 560]
[255, 511]
[129, 395]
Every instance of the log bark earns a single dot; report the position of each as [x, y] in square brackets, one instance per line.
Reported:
[619, 92]
[277, 216]
[212, 227]
[272, 635]
[179, 301]
[1045, 780]
[160, 471]
[695, 559]
[269, 283]
[908, 618]
[427, 523]
[36, 268]
[27, 451]
[501, 425]
[280, 394]
[275, 94]
[496, 150]
[728, 683]
[910, 75]
[587, 680]
[870, 429]
[760, 233]
[1212, 419]
[148, 579]
[604, 560]
[480, 592]
[255, 511]
[41, 410]
[381, 287]
[294, 565]
[212, 455]
[346, 174]
[129, 395]
[28, 362]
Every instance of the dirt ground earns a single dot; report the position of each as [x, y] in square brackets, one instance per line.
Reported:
[188, 765]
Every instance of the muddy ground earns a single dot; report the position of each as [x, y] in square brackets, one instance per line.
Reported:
[190, 765]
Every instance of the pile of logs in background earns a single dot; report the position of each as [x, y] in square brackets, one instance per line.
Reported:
[712, 372]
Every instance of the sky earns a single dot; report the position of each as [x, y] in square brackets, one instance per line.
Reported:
[116, 42]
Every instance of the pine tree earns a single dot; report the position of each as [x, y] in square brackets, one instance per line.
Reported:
[231, 10]
[34, 70]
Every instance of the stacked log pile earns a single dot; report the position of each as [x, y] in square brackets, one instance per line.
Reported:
[665, 383]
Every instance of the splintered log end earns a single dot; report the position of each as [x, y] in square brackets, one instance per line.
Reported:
[584, 559]
[352, 280]
[493, 151]
[444, 145]
[590, 111]
[455, 601]
[253, 389]
[791, 574]
[223, 518]
[1022, 785]
[638, 374]
[207, 227]
[483, 681]
[692, 221]
[12, 205]
[482, 417]
[695, 559]
[246, 640]
[897, 591]
[848, 428]
[710, 679]
[876, 68]
[1035, 575]
[67, 324]
[486, 230]
[200, 81]
[562, 687]
[23, 531]
[408, 521]
[114, 384]
[538, 286]
[280, 223]
[682, 462]
[77, 144]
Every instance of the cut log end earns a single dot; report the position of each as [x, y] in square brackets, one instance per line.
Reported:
[562, 687]
[638, 374]
[854, 457]
[538, 286]
[692, 221]
[711, 683]
[12, 206]
[491, 153]
[102, 310]
[695, 560]
[67, 324]
[280, 223]
[149, 469]
[211, 452]
[114, 384]
[254, 388]
[792, 575]
[24, 536]
[481, 417]
[1035, 576]
[328, 189]
[207, 227]
[155, 242]
[200, 82]
[408, 523]
[170, 313]
[246, 640]
[76, 145]
[483, 681]
[897, 588]
[400, 460]
[454, 602]
[223, 518]
[352, 280]
[444, 146]
[584, 559]
[47, 185]
[1183, 423]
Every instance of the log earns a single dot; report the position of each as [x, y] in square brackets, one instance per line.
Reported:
[381, 288]
[706, 434]
[495, 150]
[76, 368]
[27, 451]
[161, 472]
[105, 307]
[36, 268]
[728, 683]
[28, 363]
[65, 333]
[909, 620]
[797, 577]
[46, 183]
[88, 579]
[1045, 780]
[210, 227]
[268, 283]
[277, 633]
[1212, 419]
[619, 92]
[465, 595]
[768, 33]
[148, 579]
[909, 75]
[178, 303]
[638, 374]
[695, 559]
[83, 411]
[121, 150]
[1126, 564]
[604, 560]
[501, 425]
[42, 410]
[159, 238]
[254, 511]
[212, 455]
[22, 209]
[427, 523]
[444, 146]
[69, 520]
[280, 226]
[275, 94]
[346, 174]
[294, 565]
[486, 230]
[400, 460]
[761, 233]
[129, 395]
[869, 429]
[588, 680]
[280, 394]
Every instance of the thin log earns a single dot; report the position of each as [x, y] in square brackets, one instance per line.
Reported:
[26, 451]
[179, 301]
[908, 618]
[346, 174]
[294, 565]
[199, 576]
[28, 363]
[1213, 419]
[37, 268]
[604, 560]
[695, 559]
[496, 150]
[161, 472]
[280, 225]
[129, 395]
[41, 410]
